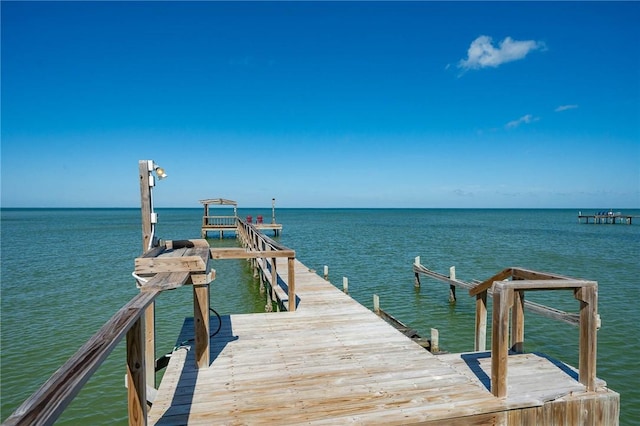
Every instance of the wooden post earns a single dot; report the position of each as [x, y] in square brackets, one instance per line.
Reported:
[452, 288]
[345, 285]
[517, 322]
[481, 322]
[146, 207]
[376, 304]
[502, 301]
[326, 272]
[201, 324]
[261, 276]
[416, 282]
[274, 282]
[269, 306]
[588, 297]
[435, 340]
[273, 211]
[291, 283]
[136, 383]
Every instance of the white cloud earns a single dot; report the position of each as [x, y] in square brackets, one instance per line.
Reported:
[525, 119]
[565, 107]
[482, 53]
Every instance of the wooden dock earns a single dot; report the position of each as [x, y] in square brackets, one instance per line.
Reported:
[333, 361]
[323, 358]
[606, 218]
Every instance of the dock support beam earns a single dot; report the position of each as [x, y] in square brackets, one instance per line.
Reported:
[291, 283]
[145, 168]
[136, 382]
[201, 324]
[481, 322]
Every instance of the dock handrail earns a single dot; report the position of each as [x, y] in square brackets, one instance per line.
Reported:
[161, 267]
[258, 246]
[218, 220]
[507, 289]
[45, 405]
[545, 311]
[509, 296]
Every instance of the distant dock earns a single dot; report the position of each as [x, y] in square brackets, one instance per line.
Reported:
[229, 223]
[605, 217]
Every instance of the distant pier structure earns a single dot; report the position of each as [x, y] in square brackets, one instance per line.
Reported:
[605, 217]
[228, 222]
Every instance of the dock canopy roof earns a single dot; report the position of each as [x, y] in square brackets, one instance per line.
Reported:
[220, 201]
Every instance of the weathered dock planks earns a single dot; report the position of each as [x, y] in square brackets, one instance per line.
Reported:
[333, 361]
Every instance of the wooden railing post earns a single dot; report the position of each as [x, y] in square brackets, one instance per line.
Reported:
[588, 297]
[517, 322]
[481, 322]
[136, 381]
[502, 301]
[201, 324]
[291, 282]
[274, 279]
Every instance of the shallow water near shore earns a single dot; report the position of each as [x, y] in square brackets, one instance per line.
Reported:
[65, 272]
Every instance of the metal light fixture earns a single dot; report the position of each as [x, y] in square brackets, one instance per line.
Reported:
[160, 172]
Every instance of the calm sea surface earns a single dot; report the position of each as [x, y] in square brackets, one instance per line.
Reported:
[65, 272]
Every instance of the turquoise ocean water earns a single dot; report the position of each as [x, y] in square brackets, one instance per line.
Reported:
[67, 271]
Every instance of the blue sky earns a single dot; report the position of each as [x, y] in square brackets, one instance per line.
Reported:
[329, 104]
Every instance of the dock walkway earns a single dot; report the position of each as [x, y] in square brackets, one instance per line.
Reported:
[333, 361]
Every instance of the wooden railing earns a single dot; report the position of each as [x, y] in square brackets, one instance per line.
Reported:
[509, 296]
[259, 246]
[507, 288]
[48, 403]
[227, 221]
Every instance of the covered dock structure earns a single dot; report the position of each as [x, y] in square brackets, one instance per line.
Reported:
[228, 222]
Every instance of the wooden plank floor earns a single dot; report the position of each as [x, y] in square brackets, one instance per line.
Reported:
[335, 362]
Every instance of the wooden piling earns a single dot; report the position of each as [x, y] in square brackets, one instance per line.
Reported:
[452, 288]
[435, 340]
